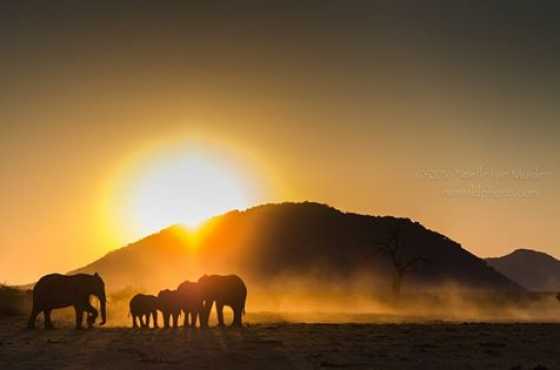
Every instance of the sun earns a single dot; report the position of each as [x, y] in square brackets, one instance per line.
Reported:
[185, 188]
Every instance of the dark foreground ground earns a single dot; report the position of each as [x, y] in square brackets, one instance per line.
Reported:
[422, 346]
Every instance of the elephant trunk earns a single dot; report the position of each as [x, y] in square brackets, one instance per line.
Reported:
[103, 302]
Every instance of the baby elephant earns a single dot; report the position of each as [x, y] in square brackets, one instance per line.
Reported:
[142, 306]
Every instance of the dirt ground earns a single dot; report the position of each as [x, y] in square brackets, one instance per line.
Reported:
[271, 346]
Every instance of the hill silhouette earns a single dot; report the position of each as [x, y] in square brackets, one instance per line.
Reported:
[270, 243]
[534, 270]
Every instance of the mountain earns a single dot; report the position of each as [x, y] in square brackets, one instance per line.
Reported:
[531, 269]
[284, 245]
[269, 245]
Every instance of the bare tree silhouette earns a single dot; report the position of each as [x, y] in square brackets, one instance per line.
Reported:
[401, 265]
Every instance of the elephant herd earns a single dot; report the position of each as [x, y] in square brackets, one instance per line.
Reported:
[193, 299]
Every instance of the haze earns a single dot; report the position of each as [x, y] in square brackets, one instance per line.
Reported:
[449, 120]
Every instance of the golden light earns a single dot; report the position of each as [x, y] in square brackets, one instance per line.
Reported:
[185, 186]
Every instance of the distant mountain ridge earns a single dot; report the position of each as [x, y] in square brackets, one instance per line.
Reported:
[534, 270]
[271, 242]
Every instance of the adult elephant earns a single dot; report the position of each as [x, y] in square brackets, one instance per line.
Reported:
[57, 291]
[170, 306]
[225, 290]
[191, 301]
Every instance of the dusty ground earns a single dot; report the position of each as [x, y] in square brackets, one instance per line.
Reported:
[386, 346]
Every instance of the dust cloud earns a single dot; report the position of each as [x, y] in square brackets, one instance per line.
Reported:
[363, 299]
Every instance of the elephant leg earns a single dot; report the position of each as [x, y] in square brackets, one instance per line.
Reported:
[175, 320]
[188, 319]
[48, 321]
[79, 317]
[32, 318]
[166, 320]
[220, 312]
[134, 317]
[92, 314]
[144, 320]
[154, 318]
[194, 317]
[206, 308]
[237, 316]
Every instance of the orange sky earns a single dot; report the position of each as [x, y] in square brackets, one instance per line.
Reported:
[370, 118]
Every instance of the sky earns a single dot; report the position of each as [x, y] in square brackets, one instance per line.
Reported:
[444, 113]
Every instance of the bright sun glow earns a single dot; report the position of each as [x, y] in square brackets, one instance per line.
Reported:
[185, 188]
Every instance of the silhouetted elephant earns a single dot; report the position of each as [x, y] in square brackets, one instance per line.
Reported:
[142, 306]
[170, 306]
[57, 291]
[228, 290]
[191, 301]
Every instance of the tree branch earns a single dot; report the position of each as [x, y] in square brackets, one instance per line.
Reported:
[414, 261]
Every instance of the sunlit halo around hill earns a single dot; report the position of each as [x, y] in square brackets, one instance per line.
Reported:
[186, 185]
